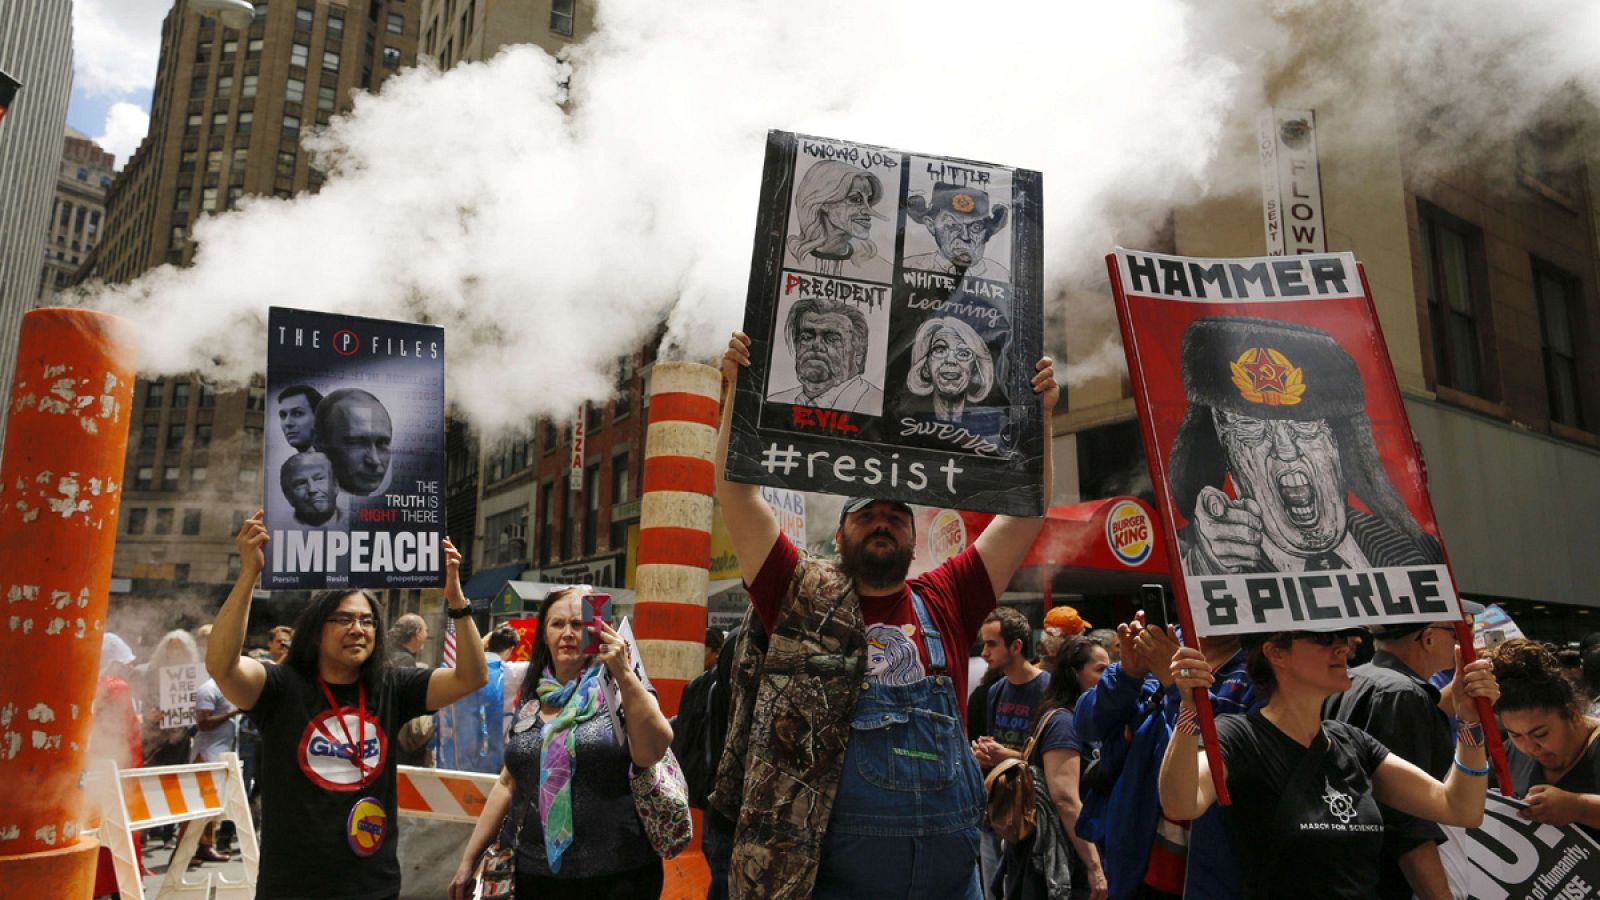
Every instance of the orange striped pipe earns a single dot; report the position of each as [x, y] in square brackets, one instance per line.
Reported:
[674, 561]
[60, 489]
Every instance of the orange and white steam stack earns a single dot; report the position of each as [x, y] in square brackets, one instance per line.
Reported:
[60, 491]
[674, 560]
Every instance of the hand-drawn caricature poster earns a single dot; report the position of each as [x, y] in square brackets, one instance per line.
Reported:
[355, 461]
[894, 313]
[1283, 462]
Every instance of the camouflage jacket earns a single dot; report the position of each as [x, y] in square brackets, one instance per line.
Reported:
[792, 702]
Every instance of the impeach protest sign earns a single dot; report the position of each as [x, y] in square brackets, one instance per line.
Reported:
[178, 685]
[354, 452]
[1511, 858]
[895, 319]
[1283, 462]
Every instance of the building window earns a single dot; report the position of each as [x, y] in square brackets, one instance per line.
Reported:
[148, 435]
[302, 19]
[507, 537]
[291, 127]
[623, 389]
[154, 394]
[247, 87]
[229, 48]
[391, 57]
[550, 436]
[224, 85]
[247, 479]
[619, 494]
[235, 194]
[180, 395]
[563, 515]
[169, 478]
[285, 164]
[136, 520]
[547, 500]
[1558, 294]
[591, 515]
[330, 61]
[252, 439]
[145, 478]
[213, 162]
[240, 156]
[202, 437]
[594, 416]
[253, 50]
[180, 235]
[208, 395]
[561, 16]
[241, 128]
[219, 124]
[397, 23]
[335, 27]
[191, 521]
[256, 400]
[187, 160]
[1452, 258]
[175, 436]
[198, 475]
[208, 199]
[163, 521]
[298, 54]
[294, 90]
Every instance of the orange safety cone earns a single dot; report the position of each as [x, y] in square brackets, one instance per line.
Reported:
[60, 489]
[674, 561]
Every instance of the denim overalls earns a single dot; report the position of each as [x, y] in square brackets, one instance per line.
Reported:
[905, 820]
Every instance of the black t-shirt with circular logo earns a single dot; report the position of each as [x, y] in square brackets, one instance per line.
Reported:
[328, 818]
[1329, 835]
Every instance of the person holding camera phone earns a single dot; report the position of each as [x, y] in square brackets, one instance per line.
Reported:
[562, 800]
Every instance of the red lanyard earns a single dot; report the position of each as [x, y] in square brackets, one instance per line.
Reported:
[356, 756]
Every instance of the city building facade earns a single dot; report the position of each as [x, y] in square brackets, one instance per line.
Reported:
[36, 50]
[227, 116]
[76, 217]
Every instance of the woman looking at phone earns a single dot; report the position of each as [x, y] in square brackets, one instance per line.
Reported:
[1554, 752]
[1307, 791]
[563, 796]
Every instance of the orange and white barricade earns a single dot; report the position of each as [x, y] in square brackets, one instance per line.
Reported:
[136, 799]
[443, 794]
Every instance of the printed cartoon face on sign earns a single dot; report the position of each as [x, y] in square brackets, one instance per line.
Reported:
[1277, 409]
[963, 213]
[838, 224]
[835, 350]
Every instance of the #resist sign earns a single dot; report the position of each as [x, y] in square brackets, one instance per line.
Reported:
[894, 317]
[1283, 462]
[355, 461]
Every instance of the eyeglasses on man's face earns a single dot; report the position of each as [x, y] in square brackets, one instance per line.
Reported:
[345, 620]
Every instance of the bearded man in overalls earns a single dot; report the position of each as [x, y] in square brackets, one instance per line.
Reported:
[847, 766]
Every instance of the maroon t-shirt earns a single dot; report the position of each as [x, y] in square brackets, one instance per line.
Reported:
[958, 596]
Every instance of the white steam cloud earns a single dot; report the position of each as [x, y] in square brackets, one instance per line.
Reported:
[550, 239]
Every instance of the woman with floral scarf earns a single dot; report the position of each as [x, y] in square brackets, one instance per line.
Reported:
[563, 794]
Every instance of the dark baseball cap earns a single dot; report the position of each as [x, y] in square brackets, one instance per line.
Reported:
[856, 504]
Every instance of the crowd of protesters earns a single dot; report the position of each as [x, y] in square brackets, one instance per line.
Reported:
[839, 738]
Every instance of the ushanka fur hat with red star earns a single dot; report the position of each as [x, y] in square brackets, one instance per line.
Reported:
[1275, 370]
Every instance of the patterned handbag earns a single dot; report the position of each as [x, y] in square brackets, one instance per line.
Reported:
[662, 797]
